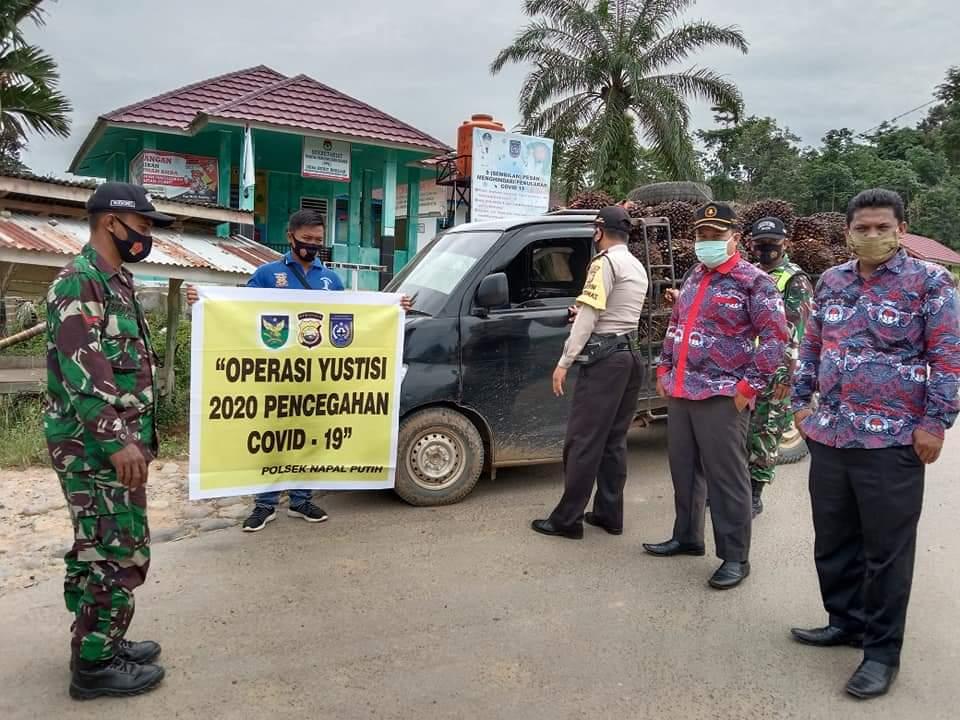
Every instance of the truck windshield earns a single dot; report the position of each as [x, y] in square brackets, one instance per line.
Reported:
[438, 268]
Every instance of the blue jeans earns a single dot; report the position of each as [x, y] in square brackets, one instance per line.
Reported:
[271, 499]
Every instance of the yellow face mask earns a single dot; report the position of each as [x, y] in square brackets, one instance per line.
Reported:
[877, 249]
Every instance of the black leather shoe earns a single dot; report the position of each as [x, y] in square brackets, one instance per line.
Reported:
[829, 636]
[872, 679]
[674, 547]
[757, 506]
[545, 527]
[730, 574]
[116, 678]
[591, 519]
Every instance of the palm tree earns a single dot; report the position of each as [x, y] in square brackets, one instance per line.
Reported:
[29, 98]
[603, 70]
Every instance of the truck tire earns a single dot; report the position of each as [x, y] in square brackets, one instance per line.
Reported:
[656, 193]
[439, 457]
[793, 449]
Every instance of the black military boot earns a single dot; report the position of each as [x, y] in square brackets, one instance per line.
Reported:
[115, 677]
[757, 488]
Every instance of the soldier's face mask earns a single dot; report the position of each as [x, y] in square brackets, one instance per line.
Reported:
[133, 248]
[768, 253]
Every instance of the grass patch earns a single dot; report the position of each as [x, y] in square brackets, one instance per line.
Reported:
[22, 442]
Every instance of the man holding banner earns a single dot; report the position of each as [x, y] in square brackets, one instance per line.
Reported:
[299, 269]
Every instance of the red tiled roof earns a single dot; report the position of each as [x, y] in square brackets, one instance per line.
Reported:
[926, 248]
[178, 108]
[302, 103]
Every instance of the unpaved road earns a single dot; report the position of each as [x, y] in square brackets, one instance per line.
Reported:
[462, 612]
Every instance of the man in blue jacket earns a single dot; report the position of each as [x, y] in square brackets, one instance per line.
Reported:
[299, 269]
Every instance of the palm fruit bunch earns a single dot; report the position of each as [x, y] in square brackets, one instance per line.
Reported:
[836, 224]
[591, 200]
[750, 214]
[810, 246]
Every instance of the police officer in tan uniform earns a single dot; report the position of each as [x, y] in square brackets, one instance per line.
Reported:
[603, 342]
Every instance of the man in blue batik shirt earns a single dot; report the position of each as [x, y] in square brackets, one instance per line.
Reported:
[299, 269]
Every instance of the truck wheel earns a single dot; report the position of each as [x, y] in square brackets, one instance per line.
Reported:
[793, 449]
[439, 459]
[656, 193]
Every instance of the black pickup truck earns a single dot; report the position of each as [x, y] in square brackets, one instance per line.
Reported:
[491, 318]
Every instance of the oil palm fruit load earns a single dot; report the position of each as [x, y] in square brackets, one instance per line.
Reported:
[591, 200]
[639, 250]
[836, 225]
[681, 217]
[750, 214]
[810, 245]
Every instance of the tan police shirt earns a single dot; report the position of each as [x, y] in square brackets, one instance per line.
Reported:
[611, 302]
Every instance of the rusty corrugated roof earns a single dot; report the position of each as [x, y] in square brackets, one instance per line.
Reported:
[66, 236]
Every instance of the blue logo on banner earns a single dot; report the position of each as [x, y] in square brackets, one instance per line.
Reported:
[514, 148]
[341, 330]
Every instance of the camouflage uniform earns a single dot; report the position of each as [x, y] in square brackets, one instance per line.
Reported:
[101, 391]
[772, 418]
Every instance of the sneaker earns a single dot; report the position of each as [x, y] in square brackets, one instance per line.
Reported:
[115, 677]
[259, 518]
[308, 511]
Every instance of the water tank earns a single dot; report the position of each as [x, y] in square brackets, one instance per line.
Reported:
[465, 139]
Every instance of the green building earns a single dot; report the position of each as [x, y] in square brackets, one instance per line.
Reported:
[313, 146]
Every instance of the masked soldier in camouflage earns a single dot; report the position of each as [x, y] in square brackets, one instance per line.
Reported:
[99, 424]
[773, 416]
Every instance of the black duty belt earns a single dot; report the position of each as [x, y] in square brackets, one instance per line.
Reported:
[599, 347]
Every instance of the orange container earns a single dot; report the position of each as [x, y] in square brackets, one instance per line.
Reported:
[465, 139]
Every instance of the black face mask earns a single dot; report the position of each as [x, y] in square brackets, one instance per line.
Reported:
[769, 255]
[304, 251]
[126, 248]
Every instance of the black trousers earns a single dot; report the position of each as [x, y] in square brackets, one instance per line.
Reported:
[604, 404]
[866, 506]
[708, 452]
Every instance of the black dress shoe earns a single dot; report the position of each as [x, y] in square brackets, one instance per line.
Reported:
[674, 547]
[116, 678]
[545, 527]
[729, 575]
[591, 519]
[829, 636]
[872, 679]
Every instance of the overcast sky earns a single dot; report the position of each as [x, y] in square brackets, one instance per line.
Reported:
[833, 64]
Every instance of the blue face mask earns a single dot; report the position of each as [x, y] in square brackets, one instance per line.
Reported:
[712, 253]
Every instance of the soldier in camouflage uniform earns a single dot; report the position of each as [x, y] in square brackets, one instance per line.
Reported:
[772, 416]
[99, 424]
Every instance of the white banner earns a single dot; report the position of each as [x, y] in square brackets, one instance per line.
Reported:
[511, 175]
[325, 159]
[433, 198]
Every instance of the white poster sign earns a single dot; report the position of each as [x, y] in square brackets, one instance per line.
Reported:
[511, 175]
[325, 159]
[433, 198]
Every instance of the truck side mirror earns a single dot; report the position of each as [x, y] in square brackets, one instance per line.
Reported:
[494, 291]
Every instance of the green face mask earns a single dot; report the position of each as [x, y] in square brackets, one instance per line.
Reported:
[877, 249]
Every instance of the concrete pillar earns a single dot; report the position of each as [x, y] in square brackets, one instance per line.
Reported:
[223, 181]
[413, 210]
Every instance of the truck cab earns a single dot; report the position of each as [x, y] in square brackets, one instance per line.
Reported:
[491, 316]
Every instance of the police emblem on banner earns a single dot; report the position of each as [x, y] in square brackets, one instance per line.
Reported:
[309, 334]
[341, 330]
[274, 331]
[515, 148]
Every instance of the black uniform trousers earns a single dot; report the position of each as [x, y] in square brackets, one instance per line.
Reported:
[708, 453]
[604, 404]
[866, 506]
